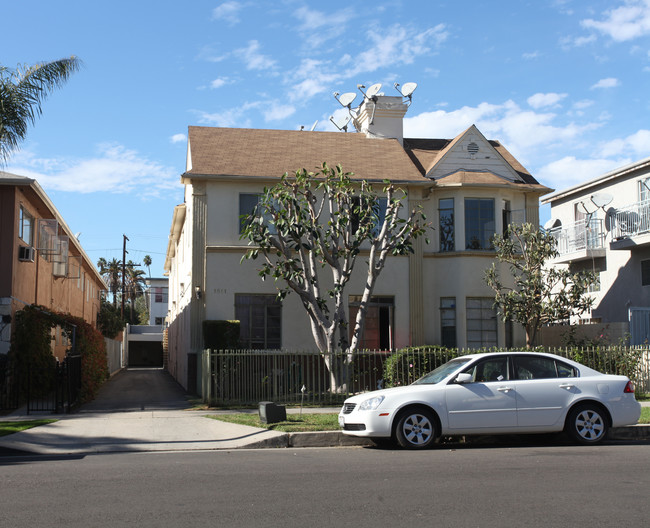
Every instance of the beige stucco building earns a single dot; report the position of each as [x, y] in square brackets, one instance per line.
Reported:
[469, 187]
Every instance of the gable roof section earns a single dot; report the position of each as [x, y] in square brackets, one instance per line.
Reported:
[253, 153]
[429, 155]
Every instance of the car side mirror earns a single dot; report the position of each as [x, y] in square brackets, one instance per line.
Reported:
[463, 377]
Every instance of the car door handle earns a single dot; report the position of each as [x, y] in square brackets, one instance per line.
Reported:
[504, 389]
[567, 386]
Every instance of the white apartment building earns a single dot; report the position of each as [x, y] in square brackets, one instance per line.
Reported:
[468, 186]
[603, 225]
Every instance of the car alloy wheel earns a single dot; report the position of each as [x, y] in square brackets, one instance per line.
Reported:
[587, 425]
[416, 429]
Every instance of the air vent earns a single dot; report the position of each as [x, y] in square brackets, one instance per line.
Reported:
[26, 253]
[472, 148]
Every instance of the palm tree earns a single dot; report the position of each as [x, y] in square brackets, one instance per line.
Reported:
[134, 284]
[21, 93]
[112, 274]
[147, 262]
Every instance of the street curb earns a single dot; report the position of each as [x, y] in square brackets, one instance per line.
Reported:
[338, 439]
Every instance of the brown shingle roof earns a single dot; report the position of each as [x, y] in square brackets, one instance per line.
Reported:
[270, 153]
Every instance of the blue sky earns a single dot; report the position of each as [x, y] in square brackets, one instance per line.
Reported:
[563, 84]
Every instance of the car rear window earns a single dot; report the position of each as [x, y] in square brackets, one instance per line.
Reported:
[531, 367]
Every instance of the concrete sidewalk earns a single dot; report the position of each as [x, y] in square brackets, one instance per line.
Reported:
[165, 430]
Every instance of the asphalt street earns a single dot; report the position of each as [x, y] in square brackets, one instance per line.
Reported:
[535, 486]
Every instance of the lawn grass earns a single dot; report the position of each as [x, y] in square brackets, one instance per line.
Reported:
[318, 422]
[7, 428]
[294, 423]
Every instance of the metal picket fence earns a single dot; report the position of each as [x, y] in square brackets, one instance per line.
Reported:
[247, 377]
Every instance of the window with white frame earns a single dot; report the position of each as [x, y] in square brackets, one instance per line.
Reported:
[26, 227]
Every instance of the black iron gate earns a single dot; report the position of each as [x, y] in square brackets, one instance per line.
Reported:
[55, 389]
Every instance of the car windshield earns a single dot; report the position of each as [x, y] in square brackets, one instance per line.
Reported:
[437, 375]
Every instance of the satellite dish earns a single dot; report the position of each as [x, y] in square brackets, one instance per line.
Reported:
[552, 224]
[582, 208]
[373, 90]
[601, 199]
[344, 126]
[407, 90]
[347, 98]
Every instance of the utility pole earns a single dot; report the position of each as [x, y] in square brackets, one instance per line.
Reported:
[124, 252]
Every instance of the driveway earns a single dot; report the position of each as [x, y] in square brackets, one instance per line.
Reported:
[139, 389]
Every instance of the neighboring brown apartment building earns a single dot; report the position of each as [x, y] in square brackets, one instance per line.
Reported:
[41, 261]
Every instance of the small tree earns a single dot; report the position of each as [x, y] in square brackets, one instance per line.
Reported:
[311, 221]
[541, 294]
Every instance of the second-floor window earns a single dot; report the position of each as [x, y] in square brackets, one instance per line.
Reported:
[479, 223]
[446, 224]
[249, 203]
[26, 227]
[644, 190]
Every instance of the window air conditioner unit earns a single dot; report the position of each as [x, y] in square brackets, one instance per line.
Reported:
[26, 253]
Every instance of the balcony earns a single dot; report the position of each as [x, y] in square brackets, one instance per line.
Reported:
[581, 240]
[631, 226]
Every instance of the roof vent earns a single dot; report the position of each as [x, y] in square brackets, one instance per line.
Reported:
[472, 148]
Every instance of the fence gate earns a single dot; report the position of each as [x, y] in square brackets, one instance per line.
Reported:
[639, 326]
[54, 389]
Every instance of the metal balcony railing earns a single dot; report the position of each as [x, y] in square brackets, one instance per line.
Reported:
[631, 220]
[579, 236]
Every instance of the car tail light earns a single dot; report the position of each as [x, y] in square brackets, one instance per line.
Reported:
[629, 388]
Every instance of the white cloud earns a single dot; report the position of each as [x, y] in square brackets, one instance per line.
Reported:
[609, 82]
[627, 22]
[116, 169]
[228, 11]
[232, 117]
[581, 105]
[277, 112]
[253, 59]
[637, 144]
[541, 100]
[218, 83]
[569, 171]
[521, 131]
[321, 27]
[531, 55]
[397, 45]
[178, 138]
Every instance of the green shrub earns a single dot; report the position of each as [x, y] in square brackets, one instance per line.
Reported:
[221, 335]
[31, 349]
[409, 364]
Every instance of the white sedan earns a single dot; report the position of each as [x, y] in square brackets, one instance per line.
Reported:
[495, 393]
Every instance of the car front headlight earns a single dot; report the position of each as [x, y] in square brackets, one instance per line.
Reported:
[371, 403]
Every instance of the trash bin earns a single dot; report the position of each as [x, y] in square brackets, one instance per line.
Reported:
[272, 413]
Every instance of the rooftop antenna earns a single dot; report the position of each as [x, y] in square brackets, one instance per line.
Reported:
[407, 90]
[313, 127]
[344, 126]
